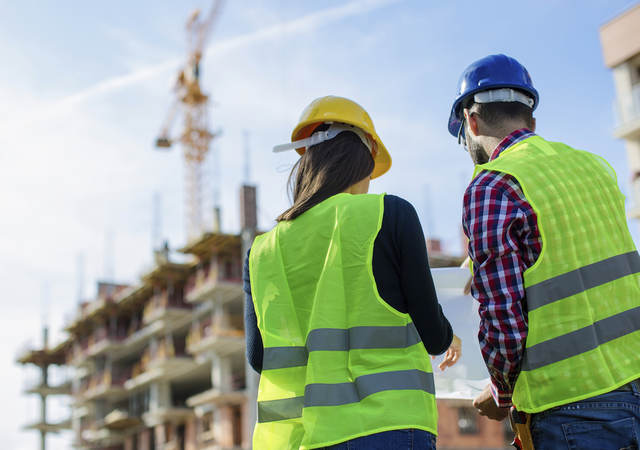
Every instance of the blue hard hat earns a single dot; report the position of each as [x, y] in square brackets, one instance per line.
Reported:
[490, 72]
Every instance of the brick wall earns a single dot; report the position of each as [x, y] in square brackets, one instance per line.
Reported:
[461, 427]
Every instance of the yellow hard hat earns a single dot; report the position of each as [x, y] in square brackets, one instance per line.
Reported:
[339, 109]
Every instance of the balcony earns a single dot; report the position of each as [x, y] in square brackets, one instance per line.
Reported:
[118, 420]
[140, 334]
[63, 388]
[162, 415]
[160, 363]
[217, 396]
[102, 437]
[628, 115]
[107, 384]
[162, 307]
[49, 427]
[80, 411]
[214, 284]
[101, 341]
[90, 309]
[229, 393]
[137, 335]
[205, 336]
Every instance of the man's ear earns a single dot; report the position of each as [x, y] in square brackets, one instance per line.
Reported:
[472, 120]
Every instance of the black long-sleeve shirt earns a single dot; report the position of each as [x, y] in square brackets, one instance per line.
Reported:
[401, 271]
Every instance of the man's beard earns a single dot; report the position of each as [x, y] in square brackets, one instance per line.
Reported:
[476, 151]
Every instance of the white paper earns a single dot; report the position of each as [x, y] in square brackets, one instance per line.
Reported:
[469, 376]
[453, 279]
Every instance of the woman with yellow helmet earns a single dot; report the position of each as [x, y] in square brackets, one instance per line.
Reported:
[341, 312]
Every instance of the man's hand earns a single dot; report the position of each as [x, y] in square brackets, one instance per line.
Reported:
[486, 406]
[453, 353]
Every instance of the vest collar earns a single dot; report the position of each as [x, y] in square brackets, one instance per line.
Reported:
[512, 139]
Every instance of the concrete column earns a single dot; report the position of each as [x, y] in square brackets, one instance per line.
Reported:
[191, 434]
[220, 317]
[144, 440]
[159, 395]
[129, 443]
[246, 433]
[224, 424]
[221, 373]
[160, 434]
[43, 406]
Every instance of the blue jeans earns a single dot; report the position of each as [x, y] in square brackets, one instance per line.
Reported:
[390, 440]
[607, 421]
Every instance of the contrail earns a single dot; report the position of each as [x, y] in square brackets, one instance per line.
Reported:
[304, 24]
[115, 83]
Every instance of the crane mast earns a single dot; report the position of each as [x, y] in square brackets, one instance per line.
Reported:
[193, 104]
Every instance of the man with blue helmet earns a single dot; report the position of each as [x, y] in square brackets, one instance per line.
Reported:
[554, 267]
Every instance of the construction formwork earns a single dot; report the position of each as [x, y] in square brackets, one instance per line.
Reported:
[43, 358]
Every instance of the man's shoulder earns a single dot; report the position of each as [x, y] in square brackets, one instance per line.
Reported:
[491, 180]
[491, 186]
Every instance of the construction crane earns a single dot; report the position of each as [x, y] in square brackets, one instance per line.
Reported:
[193, 104]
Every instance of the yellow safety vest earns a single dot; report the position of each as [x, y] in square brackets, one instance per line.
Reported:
[339, 362]
[583, 293]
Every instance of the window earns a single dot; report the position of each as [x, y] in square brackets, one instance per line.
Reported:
[467, 421]
[236, 424]
[139, 403]
[207, 434]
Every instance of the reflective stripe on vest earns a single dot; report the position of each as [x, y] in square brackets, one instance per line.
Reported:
[583, 293]
[582, 340]
[335, 339]
[345, 393]
[581, 279]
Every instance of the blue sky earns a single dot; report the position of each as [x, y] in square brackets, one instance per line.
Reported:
[85, 87]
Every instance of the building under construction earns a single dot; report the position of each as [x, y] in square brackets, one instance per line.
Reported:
[161, 364]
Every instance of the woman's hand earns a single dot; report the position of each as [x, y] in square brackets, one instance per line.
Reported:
[453, 353]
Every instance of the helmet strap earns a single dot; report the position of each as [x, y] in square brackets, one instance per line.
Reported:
[318, 137]
[503, 95]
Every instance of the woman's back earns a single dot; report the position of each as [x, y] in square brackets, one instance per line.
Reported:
[333, 344]
[401, 273]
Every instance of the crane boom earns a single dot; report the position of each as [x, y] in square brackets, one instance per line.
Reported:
[207, 26]
[189, 98]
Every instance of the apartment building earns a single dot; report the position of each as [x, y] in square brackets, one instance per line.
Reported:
[620, 39]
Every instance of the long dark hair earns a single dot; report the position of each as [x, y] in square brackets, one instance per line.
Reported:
[326, 169]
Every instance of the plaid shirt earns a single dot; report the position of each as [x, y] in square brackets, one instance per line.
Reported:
[504, 241]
